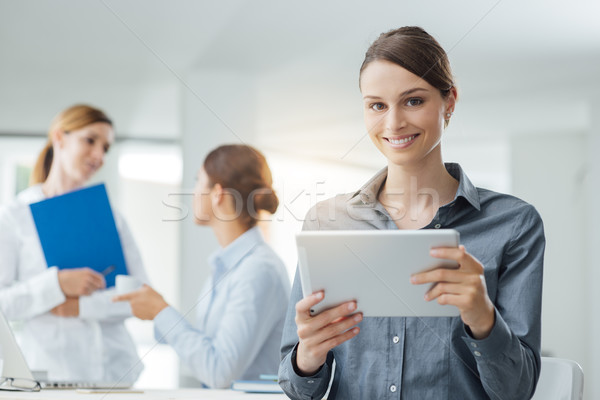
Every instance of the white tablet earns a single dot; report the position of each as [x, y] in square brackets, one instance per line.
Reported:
[373, 267]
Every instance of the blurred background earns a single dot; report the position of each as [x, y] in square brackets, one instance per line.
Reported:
[181, 77]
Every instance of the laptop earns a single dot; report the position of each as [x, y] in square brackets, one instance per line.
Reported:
[374, 267]
[16, 374]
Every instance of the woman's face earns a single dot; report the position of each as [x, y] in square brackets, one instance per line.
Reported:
[202, 204]
[404, 114]
[81, 152]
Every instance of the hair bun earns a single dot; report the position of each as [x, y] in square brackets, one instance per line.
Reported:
[266, 199]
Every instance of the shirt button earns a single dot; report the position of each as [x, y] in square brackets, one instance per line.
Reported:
[473, 344]
[311, 381]
[396, 339]
[477, 353]
[393, 388]
[437, 226]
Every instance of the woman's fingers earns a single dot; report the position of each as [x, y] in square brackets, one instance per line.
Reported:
[333, 342]
[321, 333]
[303, 306]
[335, 329]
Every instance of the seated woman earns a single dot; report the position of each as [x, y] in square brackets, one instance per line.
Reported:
[493, 349]
[241, 309]
[71, 329]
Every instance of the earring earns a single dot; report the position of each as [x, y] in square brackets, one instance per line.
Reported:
[448, 115]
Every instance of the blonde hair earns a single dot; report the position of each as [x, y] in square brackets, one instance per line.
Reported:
[73, 118]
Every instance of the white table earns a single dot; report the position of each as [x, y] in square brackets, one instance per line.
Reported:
[199, 394]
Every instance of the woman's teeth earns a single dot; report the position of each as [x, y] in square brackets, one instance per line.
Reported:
[401, 141]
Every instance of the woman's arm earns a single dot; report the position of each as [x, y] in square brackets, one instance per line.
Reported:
[305, 369]
[509, 363]
[255, 302]
[503, 337]
[29, 297]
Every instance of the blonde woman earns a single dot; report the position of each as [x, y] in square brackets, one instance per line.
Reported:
[71, 329]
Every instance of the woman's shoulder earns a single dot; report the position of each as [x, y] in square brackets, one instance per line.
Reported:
[497, 202]
[332, 209]
[262, 264]
[18, 208]
[263, 256]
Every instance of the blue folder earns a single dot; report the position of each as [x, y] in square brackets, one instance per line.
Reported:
[78, 230]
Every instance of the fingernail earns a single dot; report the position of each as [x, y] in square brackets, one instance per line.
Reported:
[426, 297]
[319, 295]
[434, 252]
[413, 279]
[358, 318]
[351, 306]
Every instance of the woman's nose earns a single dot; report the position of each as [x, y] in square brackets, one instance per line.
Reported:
[98, 154]
[395, 119]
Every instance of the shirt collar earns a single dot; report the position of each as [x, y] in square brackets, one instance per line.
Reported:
[230, 256]
[466, 189]
[32, 194]
[367, 194]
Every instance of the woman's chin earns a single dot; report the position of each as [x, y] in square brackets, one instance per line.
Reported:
[201, 222]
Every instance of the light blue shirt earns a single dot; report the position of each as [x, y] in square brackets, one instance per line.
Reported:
[240, 315]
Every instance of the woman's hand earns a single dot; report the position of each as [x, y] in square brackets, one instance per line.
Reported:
[70, 308]
[463, 287]
[80, 281]
[323, 332]
[145, 303]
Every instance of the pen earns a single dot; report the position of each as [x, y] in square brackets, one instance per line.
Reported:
[108, 270]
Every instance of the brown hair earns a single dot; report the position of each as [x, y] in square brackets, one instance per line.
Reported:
[243, 170]
[73, 118]
[415, 50]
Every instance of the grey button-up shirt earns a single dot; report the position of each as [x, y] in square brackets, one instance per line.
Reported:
[436, 358]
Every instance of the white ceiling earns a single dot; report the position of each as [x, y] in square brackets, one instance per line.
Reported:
[131, 56]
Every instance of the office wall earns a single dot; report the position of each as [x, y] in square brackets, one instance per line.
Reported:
[15, 151]
[551, 175]
[147, 110]
[592, 232]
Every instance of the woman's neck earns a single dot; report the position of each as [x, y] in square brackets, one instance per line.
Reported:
[227, 231]
[57, 183]
[413, 194]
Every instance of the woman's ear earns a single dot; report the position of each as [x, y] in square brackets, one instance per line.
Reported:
[451, 100]
[216, 195]
[57, 137]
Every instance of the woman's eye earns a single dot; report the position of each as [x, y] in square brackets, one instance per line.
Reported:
[377, 106]
[415, 101]
[89, 140]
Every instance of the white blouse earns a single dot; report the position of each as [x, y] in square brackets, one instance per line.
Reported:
[92, 347]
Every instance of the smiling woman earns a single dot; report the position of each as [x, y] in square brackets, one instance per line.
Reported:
[493, 349]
